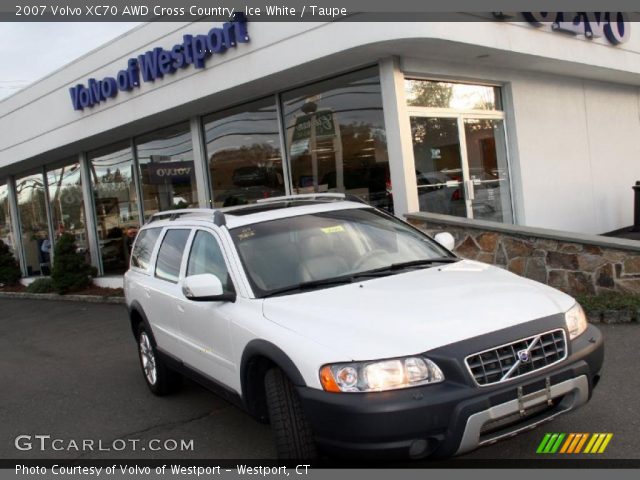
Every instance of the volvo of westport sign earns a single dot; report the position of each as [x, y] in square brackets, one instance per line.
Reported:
[610, 25]
[158, 62]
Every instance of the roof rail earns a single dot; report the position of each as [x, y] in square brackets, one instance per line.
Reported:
[218, 216]
[313, 196]
[335, 196]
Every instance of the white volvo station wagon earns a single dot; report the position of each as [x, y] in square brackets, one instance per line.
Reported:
[352, 332]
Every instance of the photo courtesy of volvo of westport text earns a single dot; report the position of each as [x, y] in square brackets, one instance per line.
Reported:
[351, 238]
[75, 471]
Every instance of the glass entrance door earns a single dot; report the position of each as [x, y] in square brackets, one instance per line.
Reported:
[460, 149]
[438, 162]
[461, 166]
[489, 189]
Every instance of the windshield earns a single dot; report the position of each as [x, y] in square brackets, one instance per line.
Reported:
[313, 249]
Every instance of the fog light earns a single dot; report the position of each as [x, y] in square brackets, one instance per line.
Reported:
[418, 448]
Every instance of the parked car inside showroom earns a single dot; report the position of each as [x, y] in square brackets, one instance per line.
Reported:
[352, 332]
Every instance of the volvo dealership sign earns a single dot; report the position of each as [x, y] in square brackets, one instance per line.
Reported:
[610, 25]
[158, 62]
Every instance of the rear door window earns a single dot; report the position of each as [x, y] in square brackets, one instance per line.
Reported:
[141, 255]
[170, 254]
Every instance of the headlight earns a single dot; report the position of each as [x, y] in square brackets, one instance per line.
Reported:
[576, 321]
[380, 375]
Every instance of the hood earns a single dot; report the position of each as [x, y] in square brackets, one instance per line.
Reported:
[415, 311]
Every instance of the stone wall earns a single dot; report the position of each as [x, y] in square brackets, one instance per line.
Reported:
[573, 265]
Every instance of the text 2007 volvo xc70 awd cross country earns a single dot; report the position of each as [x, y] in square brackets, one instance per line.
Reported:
[350, 331]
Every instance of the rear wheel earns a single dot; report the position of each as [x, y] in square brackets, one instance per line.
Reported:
[291, 431]
[160, 379]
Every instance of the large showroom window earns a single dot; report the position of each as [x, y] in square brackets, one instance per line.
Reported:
[243, 151]
[34, 229]
[116, 204]
[67, 205]
[459, 149]
[167, 170]
[336, 137]
[6, 232]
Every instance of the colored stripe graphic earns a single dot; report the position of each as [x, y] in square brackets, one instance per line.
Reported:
[607, 439]
[582, 441]
[543, 443]
[556, 445]
[551, 443]
[592, 441]
[567, 442]
[573, 443]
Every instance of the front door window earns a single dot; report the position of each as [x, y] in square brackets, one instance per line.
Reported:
[459, 150]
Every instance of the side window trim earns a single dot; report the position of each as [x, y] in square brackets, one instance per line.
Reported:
[218, 239]
[156, 251]
[152, 257]
[185, 257]
[238, 274]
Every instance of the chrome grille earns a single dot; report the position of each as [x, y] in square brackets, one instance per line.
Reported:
[518, 358]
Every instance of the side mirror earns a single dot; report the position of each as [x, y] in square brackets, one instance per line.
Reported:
[206, 288]
[446, 240]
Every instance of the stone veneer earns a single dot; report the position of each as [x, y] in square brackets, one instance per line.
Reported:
[574, 263]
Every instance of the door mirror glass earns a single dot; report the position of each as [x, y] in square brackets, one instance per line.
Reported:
[206, 288]
[446, 240]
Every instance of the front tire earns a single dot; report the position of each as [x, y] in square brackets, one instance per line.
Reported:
[160, 379]
[291, 431]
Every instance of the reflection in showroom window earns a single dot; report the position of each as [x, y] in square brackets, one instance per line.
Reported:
[243, 148]
[336, 137]
[167, 170]
[34, 228]
[67, 205]
[116, 204]
[6, 232]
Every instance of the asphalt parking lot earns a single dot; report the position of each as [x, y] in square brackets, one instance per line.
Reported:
[70, 370]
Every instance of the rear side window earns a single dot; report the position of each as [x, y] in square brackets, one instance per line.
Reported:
[141, 256]
[170, 255]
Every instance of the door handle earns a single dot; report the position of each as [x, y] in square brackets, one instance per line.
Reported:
[180, 308]
[147, 292]
[471, 191]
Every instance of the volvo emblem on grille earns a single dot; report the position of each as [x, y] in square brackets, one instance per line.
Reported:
[524, 356]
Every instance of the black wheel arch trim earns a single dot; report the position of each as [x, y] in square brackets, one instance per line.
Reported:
[276, 355]
[252, 393]
[136, 308]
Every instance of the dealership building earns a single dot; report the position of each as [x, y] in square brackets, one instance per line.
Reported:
[516, 120]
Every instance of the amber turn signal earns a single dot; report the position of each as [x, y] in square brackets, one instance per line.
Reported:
[327, 380]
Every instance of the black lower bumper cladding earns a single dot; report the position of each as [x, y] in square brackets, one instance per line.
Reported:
[430, 421]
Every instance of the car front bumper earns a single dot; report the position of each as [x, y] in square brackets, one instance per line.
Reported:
[455, 416]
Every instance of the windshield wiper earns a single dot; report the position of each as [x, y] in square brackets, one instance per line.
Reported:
[426, 261]
[328, 282]
[401, 266]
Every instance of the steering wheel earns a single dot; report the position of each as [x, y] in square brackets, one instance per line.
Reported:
[367, 258]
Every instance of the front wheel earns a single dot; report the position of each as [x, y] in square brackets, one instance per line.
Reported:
[160, 379]
[291, 431]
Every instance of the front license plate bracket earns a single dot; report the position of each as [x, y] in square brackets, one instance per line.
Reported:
[531, 399]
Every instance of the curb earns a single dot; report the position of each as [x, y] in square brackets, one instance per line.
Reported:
[66, 298]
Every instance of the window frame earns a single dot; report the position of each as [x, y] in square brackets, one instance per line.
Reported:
[154, 251]
[461, 115]
[181, 266]
[218, 239]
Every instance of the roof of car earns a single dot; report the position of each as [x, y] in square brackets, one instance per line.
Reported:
[241, 215]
